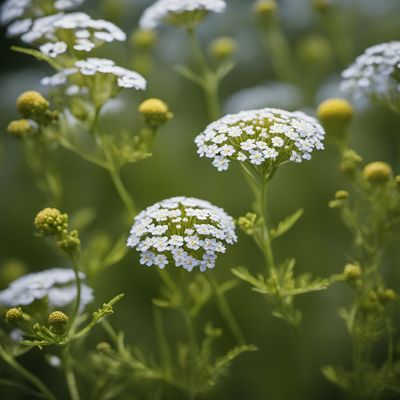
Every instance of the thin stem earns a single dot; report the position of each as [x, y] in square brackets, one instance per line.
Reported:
[26, 374]
[69, 375]
[124, 195]
[162, 342]
[225, 310]
[209, 79]
[77, 303]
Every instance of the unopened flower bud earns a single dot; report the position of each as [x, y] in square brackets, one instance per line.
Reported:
[155, 112]
[387, 295]
[266, 10]
[19, 128]
[143, 38]
[397, 182]
[247, 222]
[222, 48]
[352, 272]
[70, 243]
[50, 221]
[32, 104]
[377, 173]
[335, 115]
[350, 162]
[315, 50]
[341, 195]
[14, 315]
[103, 347]
[58, 321]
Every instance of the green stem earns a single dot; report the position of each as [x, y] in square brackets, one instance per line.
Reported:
[162, 342]
[77, 303]
[209, 80]
[69, 375]
[225, 310]
[26, 374]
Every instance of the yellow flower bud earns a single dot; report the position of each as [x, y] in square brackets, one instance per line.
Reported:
[352, 272]
[341, 195]
[335, 114]
[222, 48]
[143, 38]
[397, 181]
[247, 222]
[377, 173]
[14, 315]
[155, 112]
[387, 295]
[350, 162]
[266, 9]
[19, 128]
[103, 347]
[58, 322]
[50, 221]
[70, 244]
[32, 104]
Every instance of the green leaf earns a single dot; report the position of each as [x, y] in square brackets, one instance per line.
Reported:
[256, 281]
[286, 224]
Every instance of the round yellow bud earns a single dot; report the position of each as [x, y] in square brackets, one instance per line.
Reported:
[315, 50]
[19, 127]
[387, 295]
[13, 315]
[32, 104]
[57, 321]
[352, 272]
[397, 181]
[222, 48]
[335, 114]
[70, 244]
[377, 173]
[341, 195]
[266, 9]
[143, 38]
[50, 221]
[155, 112]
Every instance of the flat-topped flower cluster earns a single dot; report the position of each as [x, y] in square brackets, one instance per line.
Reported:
[162, 9]
[373, 74]
[183, 231]
[262, 136]
[56, 284]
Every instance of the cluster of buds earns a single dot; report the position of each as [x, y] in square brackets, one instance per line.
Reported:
[247, 223]
[51, 222]
[340, 198]
[351, 161]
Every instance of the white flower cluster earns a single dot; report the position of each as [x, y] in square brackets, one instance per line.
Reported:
[23, 12]
[371, 75]
[57, 284]
[88, 33]
[161, 9]
[262, 137]
[183, 231]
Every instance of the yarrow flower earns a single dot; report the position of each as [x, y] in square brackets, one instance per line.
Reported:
[179, 12]
[182, 231]
[375, 74]
[57, 284]
[87, 33]
[264, 138]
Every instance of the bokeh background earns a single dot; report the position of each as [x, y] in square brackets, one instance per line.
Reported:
[285, 367]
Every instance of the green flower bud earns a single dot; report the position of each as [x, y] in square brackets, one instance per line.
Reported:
[397, 181]
[266, 10]
[315, 50]
[32, 104]
[155, 112]
[341, 195]
[335, 115]
[50, 221]
[222, 48]
[14, 315]
[247, 223]
[350, 162]
[103, 347]
[70, 244]
[352, 272]
[58, 321]
[377, 173]
[143, 38]
[19, 128]
[387, 295]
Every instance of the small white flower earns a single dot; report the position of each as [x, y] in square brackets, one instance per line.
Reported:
[53, 49]
[277, 141]
[147, 258]
[160, 260]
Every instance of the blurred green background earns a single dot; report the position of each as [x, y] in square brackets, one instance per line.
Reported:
[286, 366]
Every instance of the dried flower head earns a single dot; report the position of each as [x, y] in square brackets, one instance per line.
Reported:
[19, 128]
[183, 231]
[179, 12]
[263, 139]
[57, 284]
[377, 173]
[155, 112]
[32, 104]
[374, 74]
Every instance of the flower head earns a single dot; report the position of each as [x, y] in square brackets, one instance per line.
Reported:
[183, 231]
[374, 74]
[155, 112]
[32, 104]
[377, 173]
[13, 315]
[19, 128]
[57, 284]
[50, 221]
[179, 12]
[262, 138]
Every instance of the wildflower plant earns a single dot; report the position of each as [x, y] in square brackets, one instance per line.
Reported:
[262, 140]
